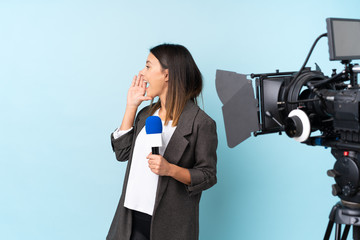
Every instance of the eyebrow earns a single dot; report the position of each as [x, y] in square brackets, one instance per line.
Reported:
[148, 61]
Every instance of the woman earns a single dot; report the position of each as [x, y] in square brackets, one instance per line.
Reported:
[161, 193]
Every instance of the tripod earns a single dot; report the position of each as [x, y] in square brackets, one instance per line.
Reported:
[344, 213]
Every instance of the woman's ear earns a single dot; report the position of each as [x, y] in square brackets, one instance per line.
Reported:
[166, 72]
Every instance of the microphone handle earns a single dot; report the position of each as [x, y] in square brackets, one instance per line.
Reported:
[155, 150]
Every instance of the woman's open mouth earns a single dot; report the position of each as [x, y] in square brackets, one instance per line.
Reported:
[146, 84]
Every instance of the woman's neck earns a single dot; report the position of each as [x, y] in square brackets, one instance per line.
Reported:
[162, 110]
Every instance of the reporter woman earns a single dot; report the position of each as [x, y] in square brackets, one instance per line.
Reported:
[161, 193]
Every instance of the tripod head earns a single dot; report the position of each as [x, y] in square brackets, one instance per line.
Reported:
[346, 173]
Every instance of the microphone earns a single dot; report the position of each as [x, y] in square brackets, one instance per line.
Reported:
[153, 128]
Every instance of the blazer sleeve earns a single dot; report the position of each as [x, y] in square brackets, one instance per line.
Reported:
[203, 174]
[122, 145]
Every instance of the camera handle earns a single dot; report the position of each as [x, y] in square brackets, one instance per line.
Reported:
[351, 72]
[268, 114]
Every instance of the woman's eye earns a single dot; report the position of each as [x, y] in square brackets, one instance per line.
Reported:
[147, 67]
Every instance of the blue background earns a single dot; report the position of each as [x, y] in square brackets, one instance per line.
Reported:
[65, 67]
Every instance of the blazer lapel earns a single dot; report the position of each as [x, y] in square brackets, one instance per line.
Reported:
[177, 144]
[141, 123]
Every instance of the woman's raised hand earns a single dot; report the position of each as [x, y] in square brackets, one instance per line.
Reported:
[136, 93]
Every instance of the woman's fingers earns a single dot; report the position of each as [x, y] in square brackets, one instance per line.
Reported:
[143, 83]
[137, 91]
[134, 81]
[145, 98]
[139, 80]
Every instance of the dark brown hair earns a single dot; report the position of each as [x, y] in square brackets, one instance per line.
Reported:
[185, 80]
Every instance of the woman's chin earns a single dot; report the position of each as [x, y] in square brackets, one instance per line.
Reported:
[149, 95]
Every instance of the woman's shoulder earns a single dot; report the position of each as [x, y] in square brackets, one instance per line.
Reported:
[204, 125]
[202, 117]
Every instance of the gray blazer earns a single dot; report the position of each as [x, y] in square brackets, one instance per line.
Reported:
[176, 212]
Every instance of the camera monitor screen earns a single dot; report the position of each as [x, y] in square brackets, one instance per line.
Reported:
[344, 38]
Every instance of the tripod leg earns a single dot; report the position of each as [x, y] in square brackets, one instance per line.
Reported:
[356, 233]
[328, 230]
[338, 231]
[346, 232]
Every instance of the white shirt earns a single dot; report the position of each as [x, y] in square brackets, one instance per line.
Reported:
[142, 183]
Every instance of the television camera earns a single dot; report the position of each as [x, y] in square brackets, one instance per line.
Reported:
[303, 102]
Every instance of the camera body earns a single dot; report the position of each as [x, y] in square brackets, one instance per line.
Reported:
[325, 104]
[331, 105]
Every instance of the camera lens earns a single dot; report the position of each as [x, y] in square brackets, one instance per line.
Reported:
[293, 126]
